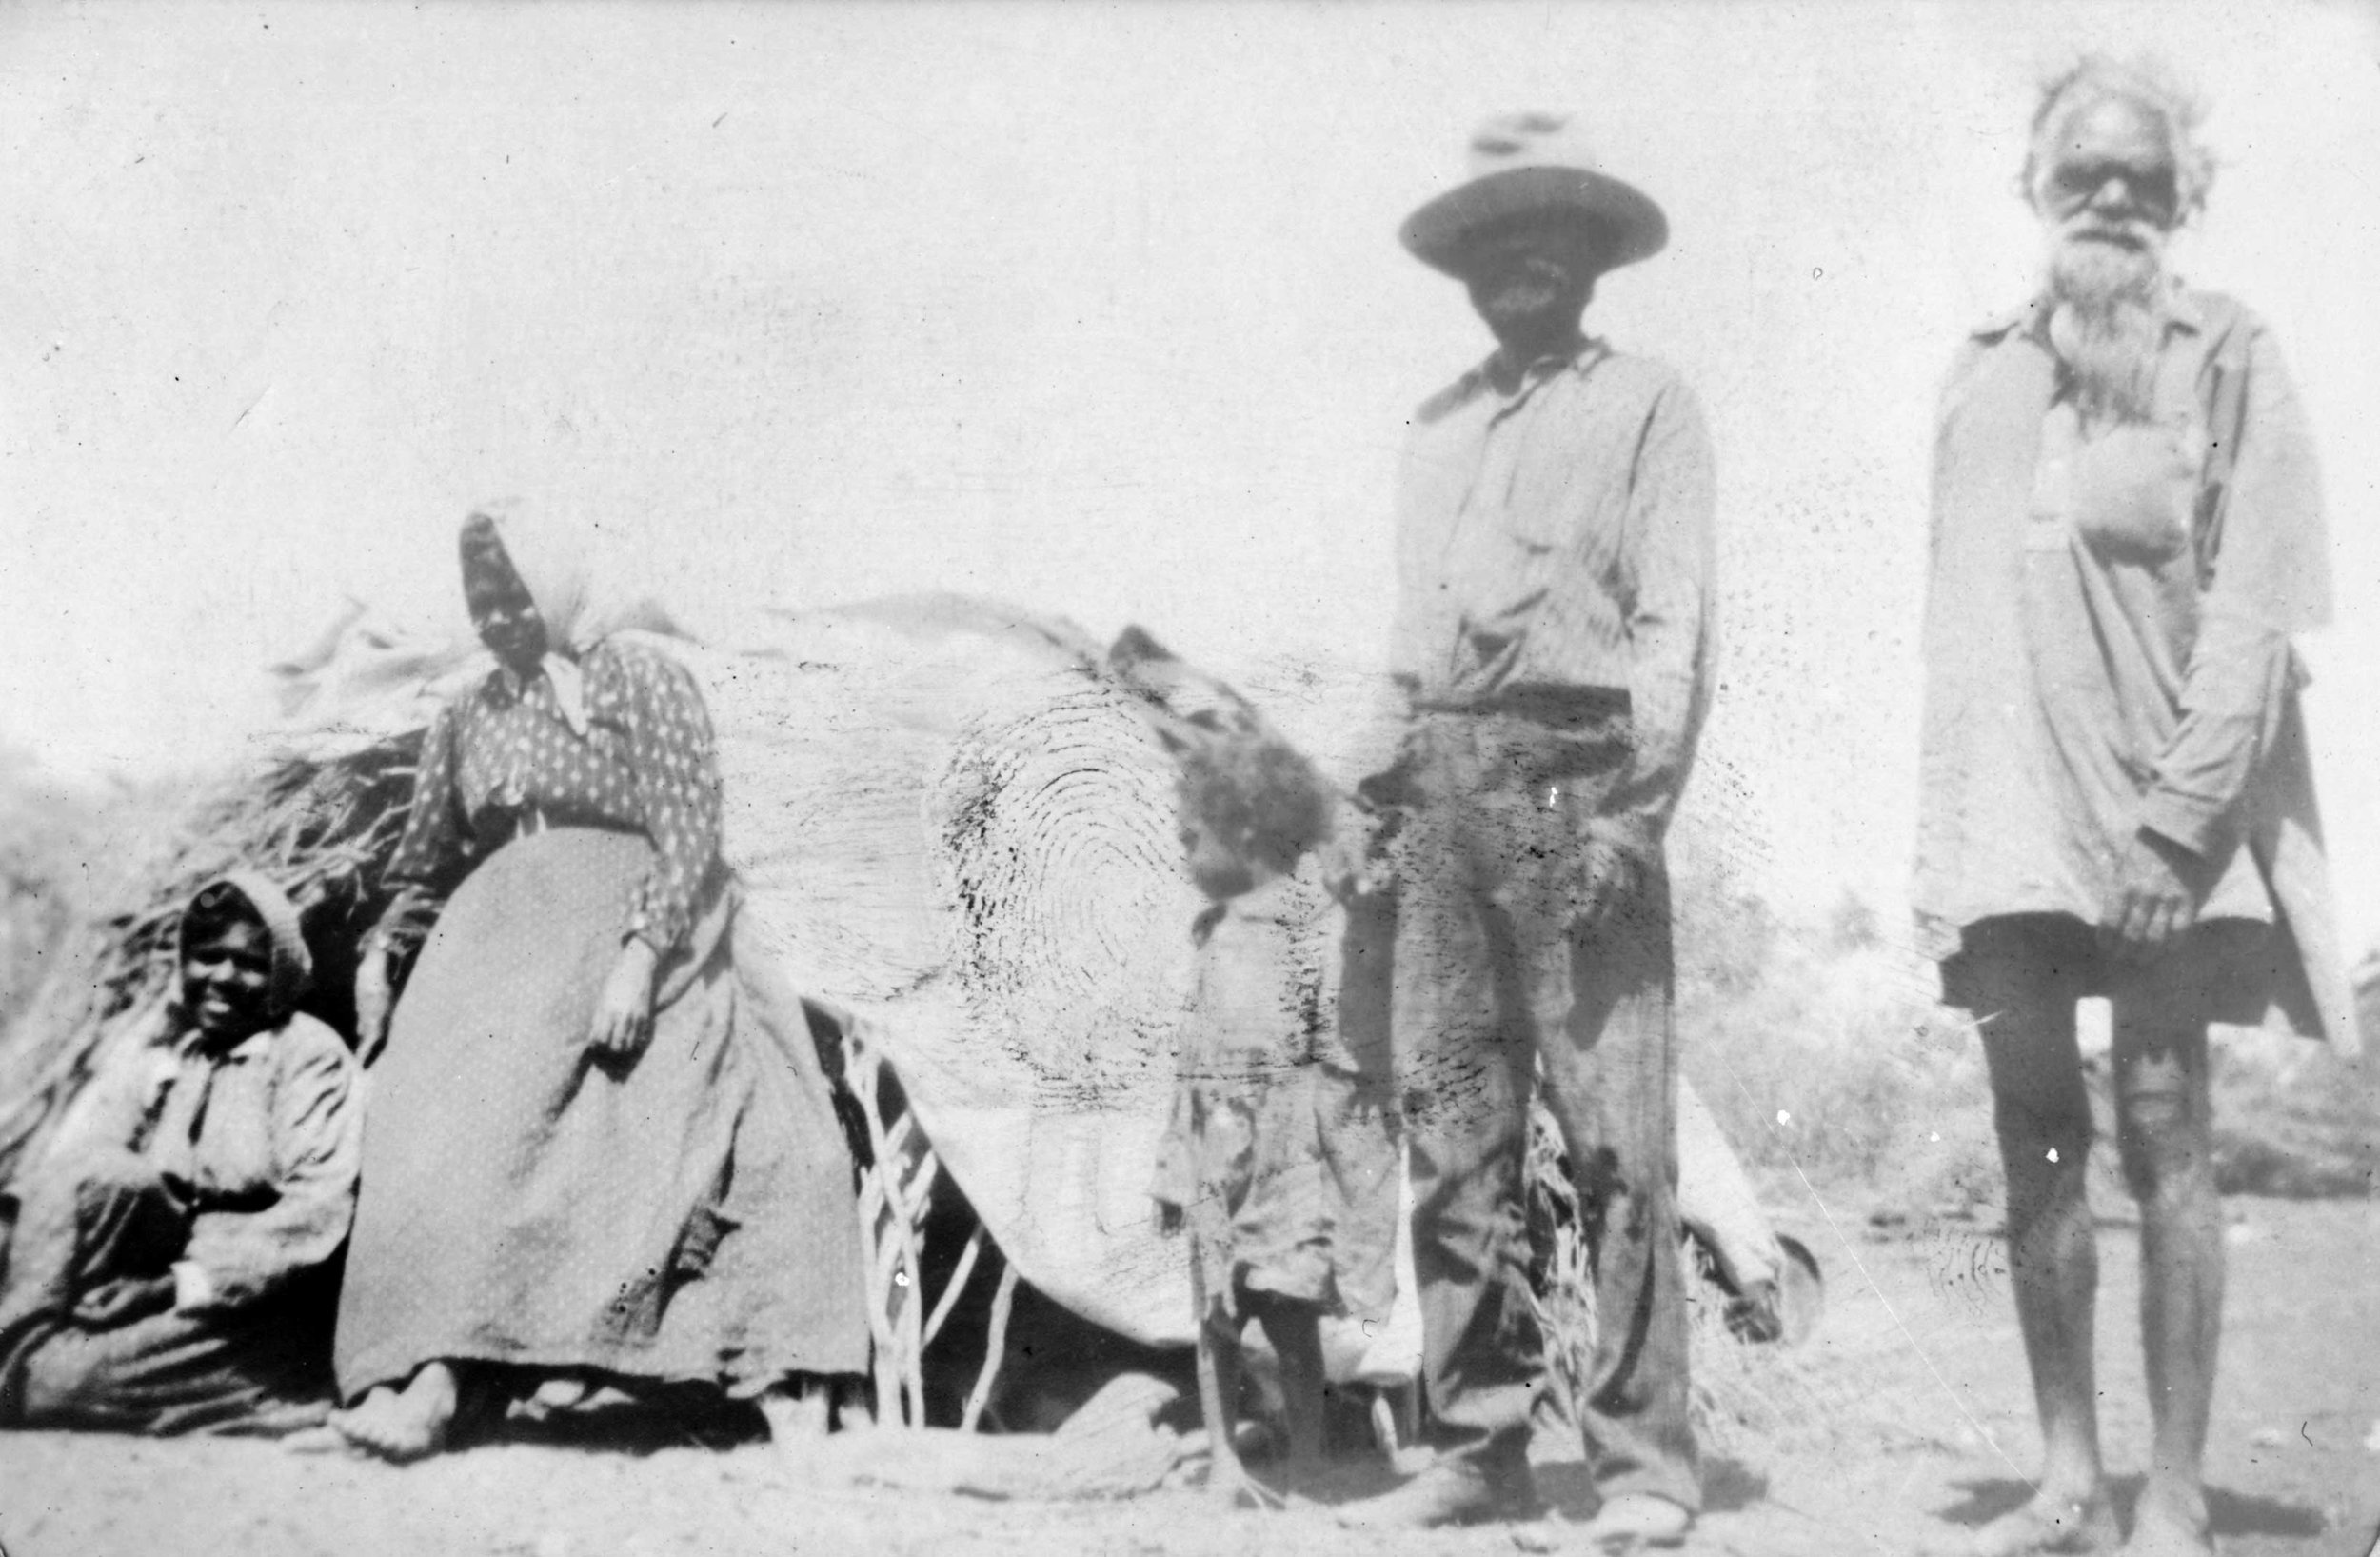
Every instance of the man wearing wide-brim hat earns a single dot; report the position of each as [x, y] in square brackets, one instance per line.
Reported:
[1554, 652]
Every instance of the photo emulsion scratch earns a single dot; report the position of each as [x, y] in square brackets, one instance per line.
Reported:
[1189, 779]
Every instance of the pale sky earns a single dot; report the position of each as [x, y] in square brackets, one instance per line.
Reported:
[1096, 309]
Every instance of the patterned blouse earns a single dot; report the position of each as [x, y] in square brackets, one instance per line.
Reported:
[503, 751]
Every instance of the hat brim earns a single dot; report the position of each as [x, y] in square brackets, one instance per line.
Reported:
[1440, 234]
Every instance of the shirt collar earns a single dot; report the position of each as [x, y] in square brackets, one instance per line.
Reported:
[564, 676]
[1492, 377]
[2180, 307]
[250, 1047]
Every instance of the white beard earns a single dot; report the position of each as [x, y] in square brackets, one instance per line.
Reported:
[2107, 328]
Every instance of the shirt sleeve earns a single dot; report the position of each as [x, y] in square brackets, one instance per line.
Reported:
[674, 760]
[1949, 399]
[1668, 562]
[2270, 577]
[317, 1128]
[433, 836]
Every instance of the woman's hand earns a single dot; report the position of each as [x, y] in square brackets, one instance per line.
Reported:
[375, 991]
[372, 999]
[623, 1012]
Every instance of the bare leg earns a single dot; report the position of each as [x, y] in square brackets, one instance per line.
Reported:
[408, 1424]
[1295, 1329]
[2164, 1116]
[853, 1411]
[1219, 1389]
[795, 1410]
[2042, 1114]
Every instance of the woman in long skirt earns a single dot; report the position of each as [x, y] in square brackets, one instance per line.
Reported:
[587, 1161]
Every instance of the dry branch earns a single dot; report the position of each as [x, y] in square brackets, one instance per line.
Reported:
[323, 830]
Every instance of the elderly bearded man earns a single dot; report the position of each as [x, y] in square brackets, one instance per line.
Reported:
[2127, 529]
[1554, 657]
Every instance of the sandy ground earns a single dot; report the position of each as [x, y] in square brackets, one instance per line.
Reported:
[1907, 1419]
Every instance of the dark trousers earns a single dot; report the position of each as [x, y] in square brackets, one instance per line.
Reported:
[1492, 983]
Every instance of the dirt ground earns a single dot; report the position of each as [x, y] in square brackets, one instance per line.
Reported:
[1907, 1419]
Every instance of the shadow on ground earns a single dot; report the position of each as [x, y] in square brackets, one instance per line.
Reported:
[2234, 1513]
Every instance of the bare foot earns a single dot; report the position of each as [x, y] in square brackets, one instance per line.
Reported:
[2169, 1523]
[400, 1425]
[2052, 1523]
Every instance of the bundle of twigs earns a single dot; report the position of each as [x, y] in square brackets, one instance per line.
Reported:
[1561, 1268]
[322, 830]
[1746, 1398]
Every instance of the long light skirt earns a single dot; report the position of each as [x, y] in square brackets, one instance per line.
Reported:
[688, 1216]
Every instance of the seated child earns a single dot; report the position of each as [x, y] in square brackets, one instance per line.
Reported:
[1277, 1157]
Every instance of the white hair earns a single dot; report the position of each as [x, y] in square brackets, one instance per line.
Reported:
[2146, 82]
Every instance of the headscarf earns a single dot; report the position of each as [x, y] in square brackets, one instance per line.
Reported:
[553, 568]
[292, 965]
[552, 558]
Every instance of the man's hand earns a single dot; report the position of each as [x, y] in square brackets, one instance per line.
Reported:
[1611, 870]
[2155, 896]
[372, 999]
[623, 1013]
[1356, 860]
[120, 1302]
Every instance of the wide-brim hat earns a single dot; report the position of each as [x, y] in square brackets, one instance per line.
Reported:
[1526, 162]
